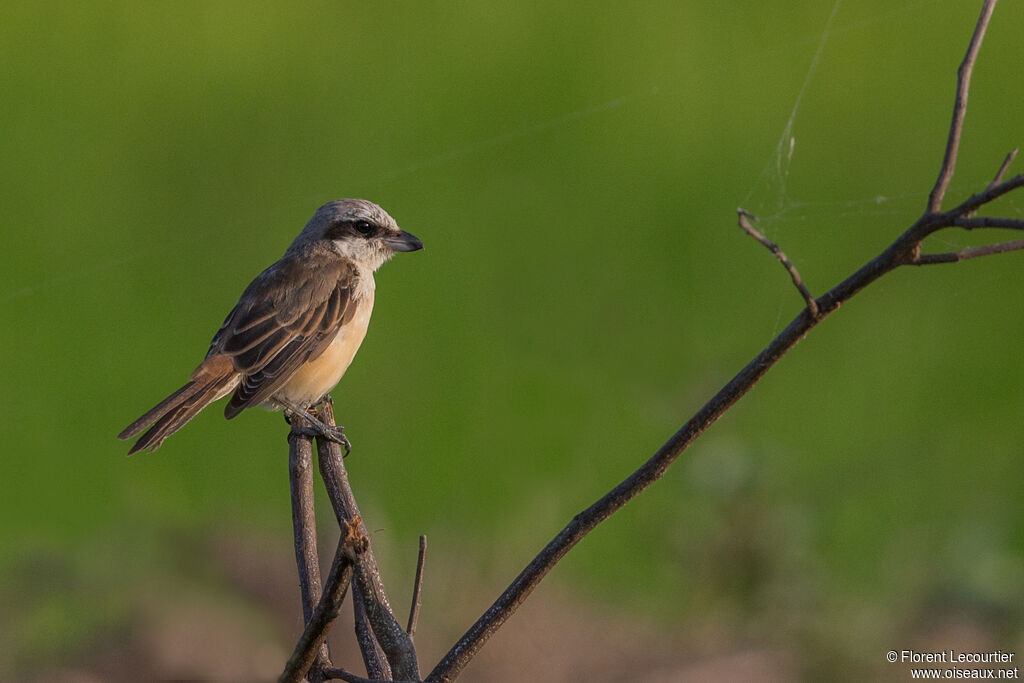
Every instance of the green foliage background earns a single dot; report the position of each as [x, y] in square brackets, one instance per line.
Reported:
[573, 169]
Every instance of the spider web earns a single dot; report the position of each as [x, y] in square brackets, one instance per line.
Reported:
[768, 196]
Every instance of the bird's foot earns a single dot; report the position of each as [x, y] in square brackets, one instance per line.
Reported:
[318, 429]
[335, 433]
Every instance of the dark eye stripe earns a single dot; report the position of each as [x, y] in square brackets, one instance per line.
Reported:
[340, 229]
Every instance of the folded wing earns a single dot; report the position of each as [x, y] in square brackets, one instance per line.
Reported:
[285, 318]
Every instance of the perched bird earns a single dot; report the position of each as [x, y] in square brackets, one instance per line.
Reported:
[296, 327]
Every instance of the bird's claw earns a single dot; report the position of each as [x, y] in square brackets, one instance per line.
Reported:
[320, 430]
[337, 435]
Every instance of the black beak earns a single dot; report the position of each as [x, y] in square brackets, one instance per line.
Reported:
[404, 241]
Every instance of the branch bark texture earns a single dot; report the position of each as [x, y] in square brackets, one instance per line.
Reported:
[300, 475]
[393, 640]
[351, 544]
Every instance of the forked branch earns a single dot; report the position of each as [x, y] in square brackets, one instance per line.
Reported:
[372, 599]
[969, 253]
[905, 250]
[1002, 169]
[350, 546]
[956, 126]
[746, 221]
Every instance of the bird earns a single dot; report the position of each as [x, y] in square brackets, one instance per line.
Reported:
[296, 327]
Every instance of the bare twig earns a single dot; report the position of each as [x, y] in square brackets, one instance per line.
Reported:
[300, 472]
[417, 586]
[998, 178]
[350, 546]
[963, 84]
[992, 192]
[904, 250]
[988, 222]
[396, 643]
[969, 253]
[746, 221]
[1002, 169]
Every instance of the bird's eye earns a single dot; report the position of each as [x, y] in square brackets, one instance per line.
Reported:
[363, 227]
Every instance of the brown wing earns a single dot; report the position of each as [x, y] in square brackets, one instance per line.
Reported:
[288, 315]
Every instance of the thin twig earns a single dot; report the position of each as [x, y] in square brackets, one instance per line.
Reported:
[998, 178]
[746, 221]
[963, 84]
[350, 546]
[307, 560]
[901, 252]
[417, 586]
[969, 253]
[397, 646]
[1002, 169]
[990, 193]
[988, 222]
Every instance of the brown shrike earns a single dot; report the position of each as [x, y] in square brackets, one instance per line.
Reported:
[296, 327]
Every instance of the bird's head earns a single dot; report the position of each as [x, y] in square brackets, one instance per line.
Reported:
[359, 230]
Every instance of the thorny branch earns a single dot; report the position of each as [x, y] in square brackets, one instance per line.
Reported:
[904, 251]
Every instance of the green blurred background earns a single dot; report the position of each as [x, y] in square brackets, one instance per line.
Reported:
[573, 170]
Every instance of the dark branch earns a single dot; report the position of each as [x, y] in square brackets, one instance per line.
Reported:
[350, 546]
[300, 474]
[969, 253]
[992, 192]
[998, 179]
[1002, 169]
[988, 222]
[963, 84]
[652, 470]
[417, 587]
[373, 657]
[395, 642]
[745, 218]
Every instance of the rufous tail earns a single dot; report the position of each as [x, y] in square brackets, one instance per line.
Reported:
[214, 378]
